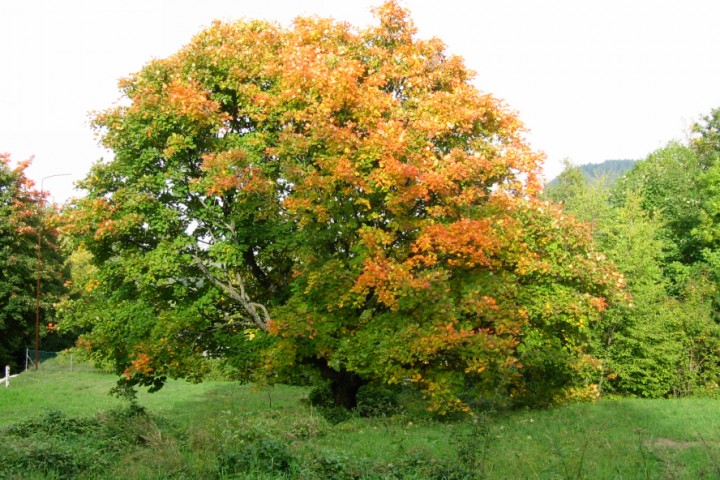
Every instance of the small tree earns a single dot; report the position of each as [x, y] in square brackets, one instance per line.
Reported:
[347, 196]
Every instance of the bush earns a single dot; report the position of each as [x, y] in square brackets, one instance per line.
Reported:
[321, 396]
[219, 369]
[64, 447]
[335, 415]
[46, 458]
[374, 400]
[338, 466]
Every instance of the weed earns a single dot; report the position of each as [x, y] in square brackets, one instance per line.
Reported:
[709, 454]
[645, 454]
[263, 455]
[59, 444]
[472, 447]
[568, 472]
[221, 431]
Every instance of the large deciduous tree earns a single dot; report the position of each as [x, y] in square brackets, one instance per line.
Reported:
[345, 197]
[20, 217]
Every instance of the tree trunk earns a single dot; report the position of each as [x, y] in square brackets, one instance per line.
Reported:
[344, 385]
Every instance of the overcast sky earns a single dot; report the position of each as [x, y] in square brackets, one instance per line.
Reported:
[598, 80]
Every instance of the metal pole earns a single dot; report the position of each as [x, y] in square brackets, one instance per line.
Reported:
[39, 261]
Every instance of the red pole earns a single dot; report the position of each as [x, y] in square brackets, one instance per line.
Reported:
[37, 289]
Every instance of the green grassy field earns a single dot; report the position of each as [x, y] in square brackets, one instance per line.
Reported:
[65, 425]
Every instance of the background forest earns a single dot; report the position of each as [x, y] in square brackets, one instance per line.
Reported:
[658, 224]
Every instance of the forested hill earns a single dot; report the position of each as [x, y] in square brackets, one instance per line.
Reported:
[609, 170]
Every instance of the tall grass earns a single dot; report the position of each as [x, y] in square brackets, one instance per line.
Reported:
[55, 426]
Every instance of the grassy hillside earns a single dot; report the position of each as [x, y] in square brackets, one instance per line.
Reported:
[63, 425]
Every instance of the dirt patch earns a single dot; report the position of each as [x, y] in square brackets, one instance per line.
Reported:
[670, 443]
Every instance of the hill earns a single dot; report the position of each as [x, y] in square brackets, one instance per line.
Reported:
[608, 171]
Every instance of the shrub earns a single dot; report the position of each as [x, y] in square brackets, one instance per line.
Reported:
[335, 415]
[321, 396]
[337, 466]
[63, 447]
[374, 400]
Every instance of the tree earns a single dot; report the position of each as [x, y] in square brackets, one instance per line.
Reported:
[679, 184]
[638, 341]
[348, 199]
[641, 340]
[667, 181]
[706, 138]
[19, 225]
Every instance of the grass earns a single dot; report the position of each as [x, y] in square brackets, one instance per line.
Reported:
[64, 425]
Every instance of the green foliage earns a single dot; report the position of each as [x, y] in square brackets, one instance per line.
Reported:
[321, 395]
[322, 398]
[264, 455]
[698, 370]
[706, 138]
[472, 447]
[667, 182]
[706, 144]
[655, 225]
[65, 447]
[375, 400]
[640, 339]
[338, 198]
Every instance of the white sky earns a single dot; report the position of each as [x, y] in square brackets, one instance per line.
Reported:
[598, 80]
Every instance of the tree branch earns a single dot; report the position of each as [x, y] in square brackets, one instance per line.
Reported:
[258, 312]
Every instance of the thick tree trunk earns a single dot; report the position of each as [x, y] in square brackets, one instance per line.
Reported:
[345, 388]
[344, 385]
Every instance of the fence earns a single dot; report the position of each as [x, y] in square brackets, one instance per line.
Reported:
[6, 379]
[42, 357]
[56, 362]
[49, 362]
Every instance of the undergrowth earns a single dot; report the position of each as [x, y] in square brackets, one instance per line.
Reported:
[241, 432]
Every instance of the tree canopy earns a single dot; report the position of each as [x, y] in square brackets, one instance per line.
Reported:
[340, 198]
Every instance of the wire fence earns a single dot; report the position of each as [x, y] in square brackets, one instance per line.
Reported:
[48, 362]
[56, 361]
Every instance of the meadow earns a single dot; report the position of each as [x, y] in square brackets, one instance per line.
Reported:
[60, 424]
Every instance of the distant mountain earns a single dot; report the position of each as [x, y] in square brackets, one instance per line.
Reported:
[608, 171]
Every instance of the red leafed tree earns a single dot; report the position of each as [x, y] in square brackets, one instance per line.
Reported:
[352, 194]
[20, 220]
